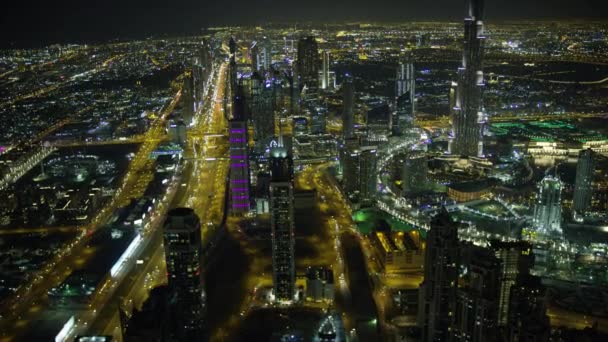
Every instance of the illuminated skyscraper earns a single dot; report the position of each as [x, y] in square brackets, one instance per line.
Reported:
[414, 173]
[325, 70]
[404, 97]
[262, 111]
[368, 156]
[348, 103]
[239, 157]
[261, 54]
[583, 184]
[548, 209]
[517, 259]
[467, 113]
[308, 64]
[437, 303]
[183, 254]
[282, 223]
[349, 160]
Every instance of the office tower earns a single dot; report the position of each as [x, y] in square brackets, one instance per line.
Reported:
[308, 64]
[517, 259]
[294, 87]
[367, 173]
[528, 321]
[349, 159]
[188, 98]
[262, 111]
[325, 70]
[232, 47]
[476, 315]
[414, 173]
[437, 302]
[348, 103]
[266, 52]
[404, 97]
[239, 157]
[282, 222]
[548, 210]
[254, 53]
[467, 114]
[583, 184]
[183, 253]
[232, 66]
[318, 120]
[378, 122]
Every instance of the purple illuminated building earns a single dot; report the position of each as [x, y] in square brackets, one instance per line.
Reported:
[239, 158]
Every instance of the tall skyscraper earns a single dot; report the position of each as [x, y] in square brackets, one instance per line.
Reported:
[467, 113]
[325, 70]
[414, 173]
[261, 54]
[282, 222]
[348, 103]
[308, 64]
[548, 209]
[188, 98]
[517, 259]
[583, 184]
[262, 111]
[183, 253]
[528, 319]
[349, 159]
[239, 157]
[367, 173]
[476, 315]
[437, 303]
[405, 95]
[318, 120]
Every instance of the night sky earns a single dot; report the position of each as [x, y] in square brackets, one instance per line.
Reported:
[36, 22]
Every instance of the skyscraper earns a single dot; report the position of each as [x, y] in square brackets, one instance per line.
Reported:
[183, 253]
[239, 157]
[583, 184]
[325, 70]
[308, 64]
[404, 97]
[548, 209]
[476, 314]
[282, 223]
[467, 113]
[437, 303]
[517, 259]
[188, 97]
[348, 103]
[350, 159]
[367, 173]
[318, 120]
[528, 319]
[414, 173]
[262, 111]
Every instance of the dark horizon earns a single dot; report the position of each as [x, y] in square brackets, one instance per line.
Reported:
[66, 21]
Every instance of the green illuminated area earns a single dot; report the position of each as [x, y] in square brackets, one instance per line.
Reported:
[547, 131]
[493, 208]
[367, 219]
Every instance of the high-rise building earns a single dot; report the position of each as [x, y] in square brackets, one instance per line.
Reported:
[517, 259]
[308, 64]
[583, 184]
[404, 97]
[232, 72]
[282, 222]
[183, 254]
[467, 113]
[528, 321]
[294, 84]
[188, 98]
[239, 157]
[368, 156]
[548, 209]
[300, 125]
[349, 160]
[437, 303]
[262, 111]
[318, 120]
[476, 315]
[325, 70]
[378, 121]
[261, 54]
[348, 103]
[414, 173]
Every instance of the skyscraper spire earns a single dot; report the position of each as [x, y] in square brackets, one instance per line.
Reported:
[467, 112]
